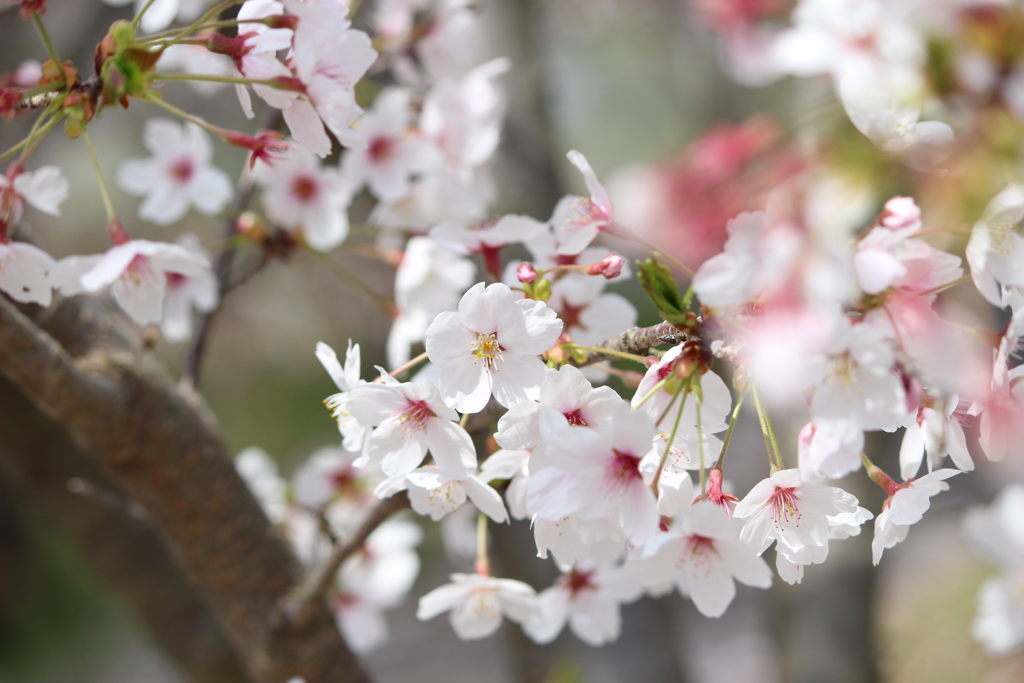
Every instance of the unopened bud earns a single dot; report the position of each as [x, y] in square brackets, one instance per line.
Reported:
[610, 266]
[10, 98]
[900, 212]
[526, 273]
[250, 225]
[117, 232]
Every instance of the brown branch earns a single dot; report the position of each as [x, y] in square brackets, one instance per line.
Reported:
[636, 340]
[80, 369]
[302, 604]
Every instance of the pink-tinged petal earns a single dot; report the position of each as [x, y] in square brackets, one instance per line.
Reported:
[398, 447]
[329, 359]
[597, 191]
[708, 583]
[517, 379]
[159, 15]
[244, 99]
[306, 127]
[441, 599]
[163, 137]
[518, 600]
[747, 567]
[479, 616]
[211, 190]
[466, 387]
[45, 189]
[67, 276]
[448, 340]
[109, 268]
[911, 451]
[326, 228]
[639, 512]
[165, 204]
[172, 258]
[139, 176]
[486, 499]
[503, 464]
[958, 447]
[549, 494]
[451, 447]
[596, 619]
[371, 404]
[482, 309]
[517, 429]
[512, 229]
[876, 270]
[197, 143]
[554, 612]
[25, 273]
[542, 328]
[140, 292]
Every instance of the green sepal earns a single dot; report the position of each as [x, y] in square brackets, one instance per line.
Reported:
[661, 289]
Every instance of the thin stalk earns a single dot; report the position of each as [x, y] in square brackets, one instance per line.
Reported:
[104, 190]
[700, 450]
[657, 387]
[142, 12]
[198, 23]
[219, 79]
[766, 430]
[49, 46]
[483, 562]
[385, 304]
[671, 436]
[728, 434]
[411, 364]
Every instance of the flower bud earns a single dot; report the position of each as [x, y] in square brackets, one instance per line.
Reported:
[612, 266]
[526, 273]
[900, 212]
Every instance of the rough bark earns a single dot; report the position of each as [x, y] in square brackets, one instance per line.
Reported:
[83, 371]
[42, 466]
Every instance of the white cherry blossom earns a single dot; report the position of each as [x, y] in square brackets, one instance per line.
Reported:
[187, 292]
[45, 189]
[579, 220]
[434, 494]
[301, 194]
[490, 346]
[477, 604]
[178, 176]
[411, 419]
[25, 272]
[906, 505]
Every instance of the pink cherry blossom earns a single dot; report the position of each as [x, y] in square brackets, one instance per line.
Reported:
[578, 220]
[478, 602]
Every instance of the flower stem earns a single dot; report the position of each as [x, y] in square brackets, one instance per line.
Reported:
[104, 190]
[672, 434]
[198, 23]
[728, 434]
[411, 364]
[483, 562]
[657, 387]
[766, 429]
[142, 12]
[49, 46]
[219, 79]
[700, 447]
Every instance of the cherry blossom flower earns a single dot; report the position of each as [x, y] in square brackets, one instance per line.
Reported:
[430, 279]
[997, 534]
[996, 250]
[254, 55]
[513, 466]
[393, 153]
[136, 271]
[177, 176]
[411, 419]
[300, 194]
[44, 189]
[187, 292]
[714, 408]
[490, 346]
[595, 473]
[702, 555]
[25, 272]
[328, 57]
[330, 477]
[478, 602]
[346, 379]
[435, 494]
[488, 238]
[588, 598]
[906, 505]
[794, 511]
[832, 450]
[579, 220]
[589, 314]
[935, 433]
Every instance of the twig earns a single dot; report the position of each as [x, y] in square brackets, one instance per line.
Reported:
[225, 260]
[304, 602]
[636, 341]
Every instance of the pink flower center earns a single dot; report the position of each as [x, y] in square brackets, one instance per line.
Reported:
[183, 170]
[785, 507]
[578, 580]
[416, 414]
[575, 418]
[305, 189]
[585, 213]
[380, 149]
[139, 271]
[175, 280]
[623, 470]
[342, 479]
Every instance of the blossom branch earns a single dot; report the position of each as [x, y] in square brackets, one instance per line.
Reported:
[309, 596]
[635, 341]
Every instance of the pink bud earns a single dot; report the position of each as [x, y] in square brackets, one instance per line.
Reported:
[612, 266]
[900, 212]
[10, 98]
[117, 233]
[526, 273]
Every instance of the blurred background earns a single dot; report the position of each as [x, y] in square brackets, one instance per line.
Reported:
[626, 82]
